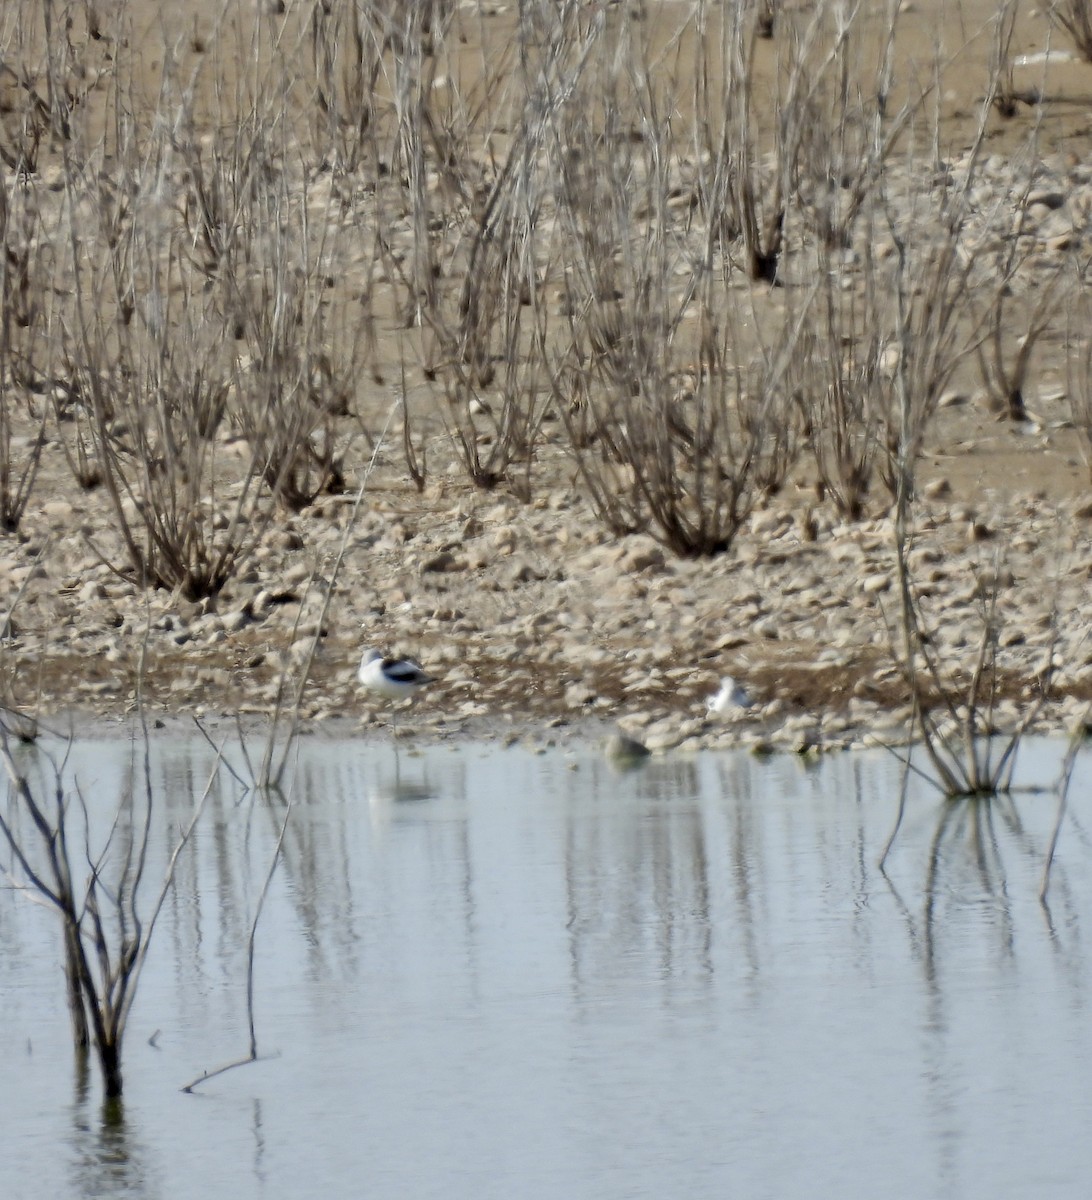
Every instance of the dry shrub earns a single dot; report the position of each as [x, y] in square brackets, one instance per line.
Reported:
[1075, 17]
[189, 277]
[803, 151]
[898, 253]
[297, 379]
[839, 380]
[927, 281]
[24, 121]
[150, 359]
[742, 191]
[671, 379]
[969, 751]
[22, 353]
[884, 338]
[464, 220]
[48, 66]
[1079, 370]
[155, 399]
[348, 45]
[955, 702]
[678, 446]
[1014, 306]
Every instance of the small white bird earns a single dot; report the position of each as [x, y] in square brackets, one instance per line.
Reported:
[731, 696]
[391, 678]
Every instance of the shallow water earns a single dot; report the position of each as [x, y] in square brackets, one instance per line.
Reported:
[490, 973]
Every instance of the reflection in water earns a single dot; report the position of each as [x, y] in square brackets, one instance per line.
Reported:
[637, 889]
[485, 974]
[980, 872]
[978, 846]
[260, 1173]
[400, 785]
[108, 1159]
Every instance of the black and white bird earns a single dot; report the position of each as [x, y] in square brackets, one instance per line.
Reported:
[391, 678]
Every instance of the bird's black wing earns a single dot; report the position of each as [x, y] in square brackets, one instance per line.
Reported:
[401, 671]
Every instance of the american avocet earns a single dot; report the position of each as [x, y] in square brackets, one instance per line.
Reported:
[731, 696]
[391, 678]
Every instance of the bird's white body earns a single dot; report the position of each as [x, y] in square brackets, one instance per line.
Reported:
[732, 697]
[391, 678]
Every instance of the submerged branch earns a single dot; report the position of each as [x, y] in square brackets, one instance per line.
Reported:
[252, 1054]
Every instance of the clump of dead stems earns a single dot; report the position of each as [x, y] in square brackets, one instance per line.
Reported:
[1011, 309]
[969, 750]
[474, 216]
[1075, 17]
[1078, 346]
[672, 433]
[670, 379]
[20, 334]
[840, 382]
[96, 883]
[205, 369]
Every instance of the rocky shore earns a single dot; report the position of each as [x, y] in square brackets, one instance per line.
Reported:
[538, 624]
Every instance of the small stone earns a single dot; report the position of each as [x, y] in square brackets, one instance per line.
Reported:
[770, 523]
[283, 539]
[57, 511]
[443, 563]
[664, 735]
[301, 649]
[889, 359]
[1061, 242]
[523, 572]
[234, 621]
[1048, 199]
[578, 695]
[642, 558]
[626, 751]
[991, 579]
[262, 602]
[299, 573]
[979, 531]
